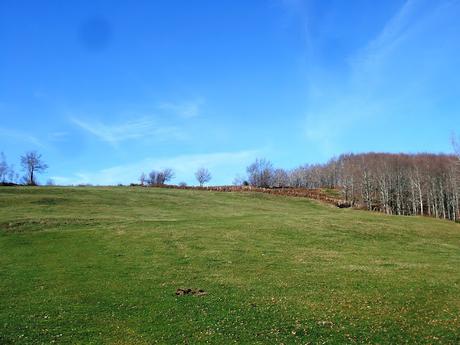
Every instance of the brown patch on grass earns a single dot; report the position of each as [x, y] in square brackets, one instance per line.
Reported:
[192, 292]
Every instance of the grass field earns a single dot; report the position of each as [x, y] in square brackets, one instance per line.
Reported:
[101, 266]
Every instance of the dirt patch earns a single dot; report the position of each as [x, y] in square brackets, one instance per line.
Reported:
[343, 204]
[190, 292]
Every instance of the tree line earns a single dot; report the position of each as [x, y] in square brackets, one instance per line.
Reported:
[160, 177]
[31, 163]
[402, 184]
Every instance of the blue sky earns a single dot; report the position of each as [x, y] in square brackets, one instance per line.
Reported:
[108, 89]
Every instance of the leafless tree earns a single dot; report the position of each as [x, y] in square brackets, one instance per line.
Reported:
[403, 184]
[167, 175]
[12, 175]
[456, 147]
[32, 163]
[152, 180]
[203, 175]
[142, 179]
[260, 173]
[455, 144]
[280, 178]
[4, 168]
[159, 178]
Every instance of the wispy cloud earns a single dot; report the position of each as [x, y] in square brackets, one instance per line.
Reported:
[393, 34]
[300, 9]
[394, 29]
[58, 136]
[183, 166]
[21, 137]
[133, 129]
[376, 85]
[186, 109]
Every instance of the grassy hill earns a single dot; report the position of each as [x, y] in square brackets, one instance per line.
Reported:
[102, 265]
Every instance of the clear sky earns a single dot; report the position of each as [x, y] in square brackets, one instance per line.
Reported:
[108, 89]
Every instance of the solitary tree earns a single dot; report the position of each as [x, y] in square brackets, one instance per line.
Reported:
[202, 176]
[32, 163]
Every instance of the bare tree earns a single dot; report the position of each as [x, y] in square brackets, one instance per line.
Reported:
[12, 175]
[280, 178]
[152, 180]
[166, 175]
[403, 184]
[260, 173]
[4, 168]
[203, 175]
[142, 179]
[455, 144]
[159, 178]
[32, 163]
[456, 179]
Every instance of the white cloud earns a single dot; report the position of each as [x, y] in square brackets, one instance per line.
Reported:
[184, 166]
[301, 10]
[22, 137]
[134, 129]
[376, 85]
[58, 136]
[186, 110]
[373, 56]
[393, 30]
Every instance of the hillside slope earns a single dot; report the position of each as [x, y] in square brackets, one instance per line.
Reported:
[102, 265]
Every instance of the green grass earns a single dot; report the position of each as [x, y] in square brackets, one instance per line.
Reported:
[101, 266]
